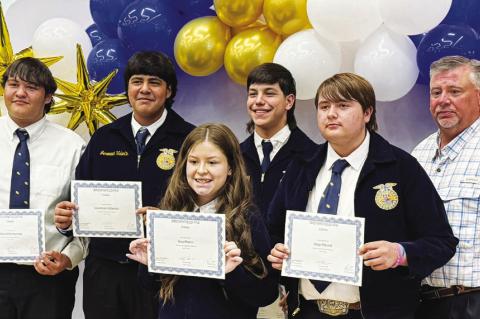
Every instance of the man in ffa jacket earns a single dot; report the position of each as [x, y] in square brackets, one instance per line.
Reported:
[140, 146]
[358, 173]
[275, 138]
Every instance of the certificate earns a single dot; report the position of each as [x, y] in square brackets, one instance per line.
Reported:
[107, 209]
[324, 247]
[22, 235]
[189, 244]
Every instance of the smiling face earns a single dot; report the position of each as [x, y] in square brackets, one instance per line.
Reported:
[25, 101]
[267, 106]
[342, 124]
[454, 101]
[207, 171]
[147, 95]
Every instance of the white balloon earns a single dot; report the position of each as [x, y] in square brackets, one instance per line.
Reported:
[310, 58]
[413, 16]
[388, 61]
[349, 50]
[58, 37]
[344, 20]
[23, 17]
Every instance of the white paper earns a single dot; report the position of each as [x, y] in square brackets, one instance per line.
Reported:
[22, 235]
[324, 247]
[185, 243]
[107, 209]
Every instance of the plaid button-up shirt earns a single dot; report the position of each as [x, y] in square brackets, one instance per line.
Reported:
[455, 172]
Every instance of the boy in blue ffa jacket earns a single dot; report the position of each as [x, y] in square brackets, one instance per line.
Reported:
[358, 173]
[275, 138]
[140, 146]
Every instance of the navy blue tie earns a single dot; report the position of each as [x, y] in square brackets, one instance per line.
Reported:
[20, 184]
[329, 202]
[140, 138]
[267, 148]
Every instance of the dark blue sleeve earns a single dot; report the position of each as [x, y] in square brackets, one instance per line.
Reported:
[277, 212]
[84, 167]
[241, 284]
[434, 243]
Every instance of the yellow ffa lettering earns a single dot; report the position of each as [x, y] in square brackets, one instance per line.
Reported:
[103, 153]
[121, 153]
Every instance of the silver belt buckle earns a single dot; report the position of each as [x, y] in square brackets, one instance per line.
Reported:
[332, 307]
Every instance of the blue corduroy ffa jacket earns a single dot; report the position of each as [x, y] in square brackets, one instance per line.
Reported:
[418, 222]
[111, 155]
[298, 144]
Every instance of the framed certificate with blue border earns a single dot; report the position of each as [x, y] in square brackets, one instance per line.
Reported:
[184, 243]
[324, 247]
[107, 209]
[22, 235]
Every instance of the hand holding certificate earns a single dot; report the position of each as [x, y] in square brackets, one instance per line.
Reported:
[324, 247]
[22, 235]
[107, 209]
[190, 244]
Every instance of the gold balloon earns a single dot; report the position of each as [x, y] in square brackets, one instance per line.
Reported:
[87, 102]
[256, 24]
[286, 17]
[200, 46]
[249, 49]
[237, 13]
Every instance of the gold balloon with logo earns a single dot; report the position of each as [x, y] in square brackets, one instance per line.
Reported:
[200, 46]
[286, 17]
[237, 13]
[249, 49]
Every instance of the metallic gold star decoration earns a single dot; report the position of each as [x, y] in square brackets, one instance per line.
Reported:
[7, 56]
[88, 102]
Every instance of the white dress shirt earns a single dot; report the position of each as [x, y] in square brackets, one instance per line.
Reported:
[152, 128]
[455, 172]
[277, 140]
[337, 291]
[54, 154]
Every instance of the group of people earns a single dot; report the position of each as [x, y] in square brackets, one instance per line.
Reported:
[421, 254]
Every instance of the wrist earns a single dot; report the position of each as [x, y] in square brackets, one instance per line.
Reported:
[401, 256]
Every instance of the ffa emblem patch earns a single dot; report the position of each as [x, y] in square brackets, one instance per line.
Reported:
[386, 198]
[165, 159]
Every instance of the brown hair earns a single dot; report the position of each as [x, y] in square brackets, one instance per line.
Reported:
[349, 87]
[272, 73]
[234, 199]
[34, 71]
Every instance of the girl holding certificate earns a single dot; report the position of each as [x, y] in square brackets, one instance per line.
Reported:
[210, 177]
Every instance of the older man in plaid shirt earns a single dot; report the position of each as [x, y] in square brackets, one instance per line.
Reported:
[451, 157]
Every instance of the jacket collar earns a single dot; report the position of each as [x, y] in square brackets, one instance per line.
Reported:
[173, 125]
[292, 146]
[379, 151]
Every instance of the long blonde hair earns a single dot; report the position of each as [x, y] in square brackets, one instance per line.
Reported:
[234, 199]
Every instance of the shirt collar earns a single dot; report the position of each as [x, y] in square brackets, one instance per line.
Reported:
[152, 128]
[279, 138]
[355, 159]
[452, 149]
[34, 130]
[210, 207]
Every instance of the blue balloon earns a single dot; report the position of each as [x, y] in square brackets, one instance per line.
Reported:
[95, 34]
[417, 38]
[194, 8]
[149, 25]
[447, 40]
[464, 12]
[105, 14]
[106, 56]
